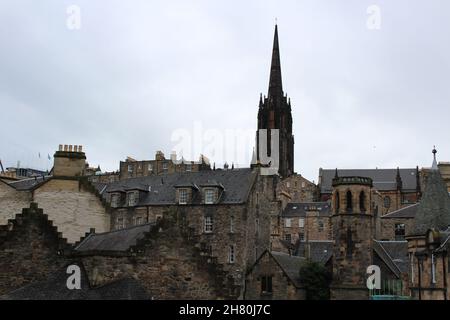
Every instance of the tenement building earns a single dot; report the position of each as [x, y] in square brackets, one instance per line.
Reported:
[131, 168]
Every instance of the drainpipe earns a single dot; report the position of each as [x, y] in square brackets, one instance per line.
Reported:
[444, 271]
[419, 267]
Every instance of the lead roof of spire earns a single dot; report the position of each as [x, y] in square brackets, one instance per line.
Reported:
[434, 166]
[275, 83]
[434, 208]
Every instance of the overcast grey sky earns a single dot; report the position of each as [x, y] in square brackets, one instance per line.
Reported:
[138, 71]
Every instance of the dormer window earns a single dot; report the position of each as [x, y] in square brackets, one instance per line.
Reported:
[210, 196]
[188, 167]
[115, 200]
[132, 198]
[182, 196]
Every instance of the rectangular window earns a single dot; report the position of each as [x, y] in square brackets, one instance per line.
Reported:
[210, 196]
[208, 224]
[301, 236]
[150, 167]
[320, 225]
[137, 221]
[287, 237]
[132, 199]
[399, 231]
[120, 223]
[256, 226]
[182, 196]
[165, 166]
[189, 167]
[433, 269]
[231, 224]
[115, 200]
[130, 168]
[287, 222]
[266, 284]
[301, 222]
[231, 254]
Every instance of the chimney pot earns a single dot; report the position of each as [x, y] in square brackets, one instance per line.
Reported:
[60, 147]
[70, 148]
[65, 147]
[80, 148]
[75, 148]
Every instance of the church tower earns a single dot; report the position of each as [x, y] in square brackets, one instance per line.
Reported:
[275, 113]
[353, 224]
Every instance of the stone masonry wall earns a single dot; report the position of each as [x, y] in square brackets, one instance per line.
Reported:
[11, 202]
[282, 287]
[30, 249]
[73, 209]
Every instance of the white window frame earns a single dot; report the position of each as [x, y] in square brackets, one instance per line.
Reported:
[132, 196]
[208, 224]
[150, 167]
[165, 166]
[288, 223]
[185, 193]
[231, 224]
[301, 222]
[212, 192]
[130, 168]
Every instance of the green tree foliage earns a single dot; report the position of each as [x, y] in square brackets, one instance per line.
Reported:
[316, 279]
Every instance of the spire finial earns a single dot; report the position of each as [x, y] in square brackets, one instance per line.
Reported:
[434, 166]
[336, 174]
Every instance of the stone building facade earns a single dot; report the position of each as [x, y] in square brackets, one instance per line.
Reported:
[428, 240]
[275, 276]
[131, 168]
[229, 211]
[395, 188]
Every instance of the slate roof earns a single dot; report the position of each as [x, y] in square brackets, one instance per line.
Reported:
[55, 288]
[383, 179]
[237, 184]
[318, 251]
[290, 265]
[406, 212]
[300, 209]
[434, 208]
[28, 184]
[394, 254]
[118, 240]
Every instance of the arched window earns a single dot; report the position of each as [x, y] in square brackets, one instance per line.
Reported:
[362, 201]
[337, 202]
[349, 201]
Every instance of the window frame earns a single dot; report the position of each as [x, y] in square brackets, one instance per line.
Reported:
[208, 224]
[185, 193]
[231, 254]
[266, 283]
[210, 191]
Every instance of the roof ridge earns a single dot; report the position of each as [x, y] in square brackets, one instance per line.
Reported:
[401, 209]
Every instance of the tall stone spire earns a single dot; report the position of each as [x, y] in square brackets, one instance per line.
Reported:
[274, 112]
[434, 208]
[275, 82]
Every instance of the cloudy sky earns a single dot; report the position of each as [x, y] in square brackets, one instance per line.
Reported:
[134, 77]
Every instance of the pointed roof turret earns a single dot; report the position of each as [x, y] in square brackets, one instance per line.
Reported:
[275, 84]
[434, 208]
